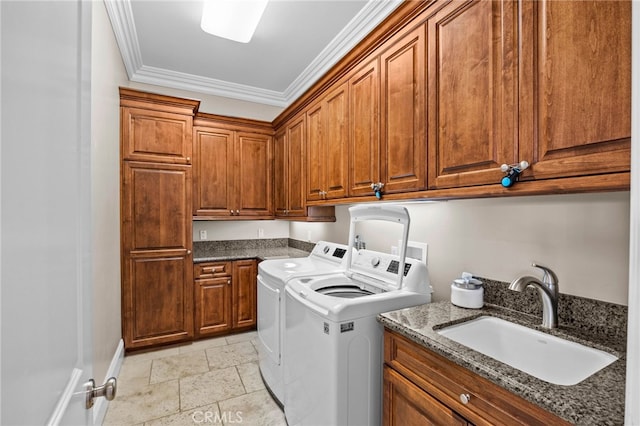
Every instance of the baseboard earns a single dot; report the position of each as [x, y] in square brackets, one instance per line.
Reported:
[100, 407]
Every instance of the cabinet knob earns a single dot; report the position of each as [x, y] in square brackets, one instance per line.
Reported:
[237, 212]
[188, 160]
[465, 398]
[188, 251]
[229, 281]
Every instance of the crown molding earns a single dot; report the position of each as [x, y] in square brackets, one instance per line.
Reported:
[121, 17]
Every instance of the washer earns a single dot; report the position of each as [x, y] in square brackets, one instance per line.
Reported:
[333, 341]
[272, 274]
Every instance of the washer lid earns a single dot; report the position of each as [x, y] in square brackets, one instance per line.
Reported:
[325, 257]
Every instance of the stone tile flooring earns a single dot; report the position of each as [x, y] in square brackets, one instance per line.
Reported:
[209, 382]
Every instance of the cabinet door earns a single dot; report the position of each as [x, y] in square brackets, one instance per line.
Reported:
[253, 175]
[364, 125]
[157, 299]
[327, 146]
[315, 153]
[157, 284]
[407, 404]
[280, 179]
[403, 141]
[214, 171]
[472, 75]
[149, 135]
[245, 275]
[295, 176]
[576, 87]
[336, 142]
[212, 306]
[155, 207]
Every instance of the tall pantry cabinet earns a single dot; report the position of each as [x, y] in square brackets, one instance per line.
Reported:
[156, 230]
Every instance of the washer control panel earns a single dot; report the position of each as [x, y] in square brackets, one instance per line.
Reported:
[382, 264]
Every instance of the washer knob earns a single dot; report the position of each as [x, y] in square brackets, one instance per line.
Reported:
[325, 250]
[375, 262]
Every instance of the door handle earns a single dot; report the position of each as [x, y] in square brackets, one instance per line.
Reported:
[108, 390]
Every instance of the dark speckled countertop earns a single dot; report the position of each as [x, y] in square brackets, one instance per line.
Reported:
[217, 251]
[597, 400]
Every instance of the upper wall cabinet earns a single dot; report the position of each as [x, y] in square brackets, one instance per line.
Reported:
[548, 83]
[233, 170]
[327, 145]
[472, 78]
[288, 169]
[403, 141]
[156, 128]
[575, 87]
[387, 117]
[364, 128]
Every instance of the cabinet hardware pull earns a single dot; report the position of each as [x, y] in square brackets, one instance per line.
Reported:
[465, 398]
[512, 173]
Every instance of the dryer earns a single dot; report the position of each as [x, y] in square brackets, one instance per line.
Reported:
[333, 341]
[325, 258]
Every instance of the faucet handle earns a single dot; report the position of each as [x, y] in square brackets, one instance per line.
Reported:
[549, 276]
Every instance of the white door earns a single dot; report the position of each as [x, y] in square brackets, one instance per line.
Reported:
[45, 228]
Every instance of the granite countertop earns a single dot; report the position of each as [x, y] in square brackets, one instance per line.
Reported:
[599, 399]
[217, 254]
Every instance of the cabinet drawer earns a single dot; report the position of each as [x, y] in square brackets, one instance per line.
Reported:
[211, 269]
[488, 403]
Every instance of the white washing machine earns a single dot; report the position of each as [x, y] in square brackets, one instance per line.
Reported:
[272, 274]
[333, 341]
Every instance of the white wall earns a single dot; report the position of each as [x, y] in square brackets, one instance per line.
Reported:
[584, 238]
[107, 73]
[240, 230]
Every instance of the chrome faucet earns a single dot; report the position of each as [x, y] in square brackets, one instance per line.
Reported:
[548, 291]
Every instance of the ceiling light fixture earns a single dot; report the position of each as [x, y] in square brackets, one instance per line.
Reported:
[235, 20]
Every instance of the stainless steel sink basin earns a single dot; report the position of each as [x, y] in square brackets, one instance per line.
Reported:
[549, 358]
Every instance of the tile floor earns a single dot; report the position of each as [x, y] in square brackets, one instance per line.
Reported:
[209, 382]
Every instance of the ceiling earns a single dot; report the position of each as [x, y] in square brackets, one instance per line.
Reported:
[295, 43]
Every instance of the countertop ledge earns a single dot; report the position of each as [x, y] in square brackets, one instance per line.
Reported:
[599, 399]
[248, 253]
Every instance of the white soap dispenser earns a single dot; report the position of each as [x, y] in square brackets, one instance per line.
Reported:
[467, 292]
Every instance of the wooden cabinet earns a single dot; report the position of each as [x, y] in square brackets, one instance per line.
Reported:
[156, 231]
[423, 386]
[327, 146]
[403, 139]
[244, 298]
[575, 88]
[212, 298]
[549, 84]
[225, 297]
[155, 128]
[157, 306]
[233, 170]
[387, 114]
[364, 128]
[472, 103]
[407, 404]
[289, 170]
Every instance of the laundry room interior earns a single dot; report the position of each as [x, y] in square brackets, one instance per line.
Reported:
[396, 212]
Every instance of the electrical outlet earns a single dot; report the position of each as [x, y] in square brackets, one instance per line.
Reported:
[260, 233]
[203, 234]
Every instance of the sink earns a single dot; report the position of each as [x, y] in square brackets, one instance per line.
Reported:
[549, 358]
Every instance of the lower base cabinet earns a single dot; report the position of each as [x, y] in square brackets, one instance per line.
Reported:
[421, 387]
[225, 297]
